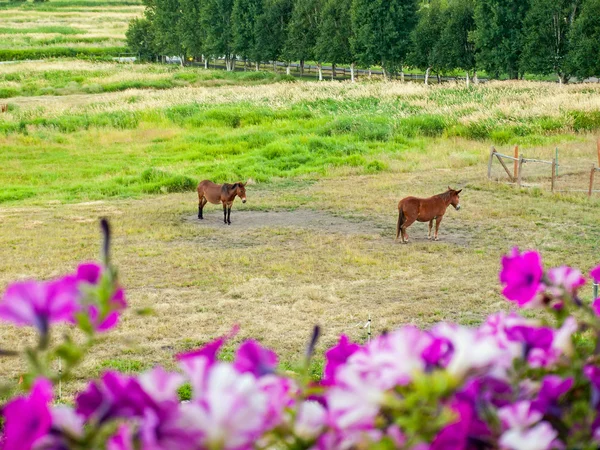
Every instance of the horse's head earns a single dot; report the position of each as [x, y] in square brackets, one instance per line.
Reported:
[241, 191]
[454, 197]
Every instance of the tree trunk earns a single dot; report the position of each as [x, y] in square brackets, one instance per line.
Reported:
[385, 75]
[287, 69]
[439, 78]
[563, 79]
[370, 73]
[468, 81]
[320, 67]
[332, 71]
[182, 60]
[206, 63]
[233, 63]
[402, 74]
[427, 76]
[257, 66]
[475, 79]
[352, 73]
[301, 67]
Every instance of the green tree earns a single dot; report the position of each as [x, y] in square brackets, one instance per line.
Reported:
[456, 48]
[188, 27]
[302, 31]
[499, 35]
[381, 32]
[272, 26]
[215, 19]
[585, 41]
[426, 37]
[546, 38]
[244, 23]
[140, 38]
[333, 39]
[166, 15]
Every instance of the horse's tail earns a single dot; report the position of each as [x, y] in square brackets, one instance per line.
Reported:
[401, 219]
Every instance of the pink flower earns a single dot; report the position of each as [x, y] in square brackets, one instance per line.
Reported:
[455, 435]
[522, 276]
[230, 409]
[566, 278]
[103, 319]
[595, 274]
[161, 385]
[336, 356]
[121, 440]
[39, 304]
[28, 419]
[540, 437]
[361, 384]
[470, 351]
[254, 358]
[310, 420]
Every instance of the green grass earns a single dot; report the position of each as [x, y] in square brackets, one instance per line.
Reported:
[42, 29]
[103, 79]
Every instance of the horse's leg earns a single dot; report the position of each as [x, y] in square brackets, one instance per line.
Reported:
[430, 227]
[203, 202]
[224, 212]
[407, 223]
[229, 213]
[438, 220]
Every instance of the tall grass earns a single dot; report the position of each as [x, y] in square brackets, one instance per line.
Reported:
[42, 29]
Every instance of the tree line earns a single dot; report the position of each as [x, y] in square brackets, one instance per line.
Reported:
[506, 38]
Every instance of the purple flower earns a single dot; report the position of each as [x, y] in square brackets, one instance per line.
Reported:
[362, 382]
[27, 419]
[565, 278]
[522, 276]
[470, 351]
[113, 396]
[336, 356]
[161, 385]
[281, 396]
[595, 274]
[121, 440]
[253, 358]
[455, 435]
[197, 363]
[229, 409]
[39, 304]
[90, 274]
[438, 353]
[553, 387]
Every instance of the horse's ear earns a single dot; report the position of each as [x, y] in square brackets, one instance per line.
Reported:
[449, 188]
[458, 192]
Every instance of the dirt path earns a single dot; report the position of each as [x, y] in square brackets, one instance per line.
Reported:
[328, 223]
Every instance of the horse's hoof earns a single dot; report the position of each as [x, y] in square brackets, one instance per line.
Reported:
[435, 239]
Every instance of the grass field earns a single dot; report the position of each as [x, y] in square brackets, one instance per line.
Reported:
[69, 23]
[328, 163]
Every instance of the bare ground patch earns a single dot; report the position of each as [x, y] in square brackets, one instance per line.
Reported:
[381, 230]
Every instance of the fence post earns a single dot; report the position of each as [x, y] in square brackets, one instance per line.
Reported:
[591, 181]
[519, 171]
[553, 174]
[492, 151]
[515, 163]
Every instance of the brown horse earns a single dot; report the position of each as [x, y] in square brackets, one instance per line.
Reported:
[425, 210]
[220, 193]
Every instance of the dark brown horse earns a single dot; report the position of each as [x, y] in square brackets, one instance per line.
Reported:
[425, 210]
[220, 193]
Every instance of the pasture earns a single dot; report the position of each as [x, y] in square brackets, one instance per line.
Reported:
[49, 27]
[327, 164]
